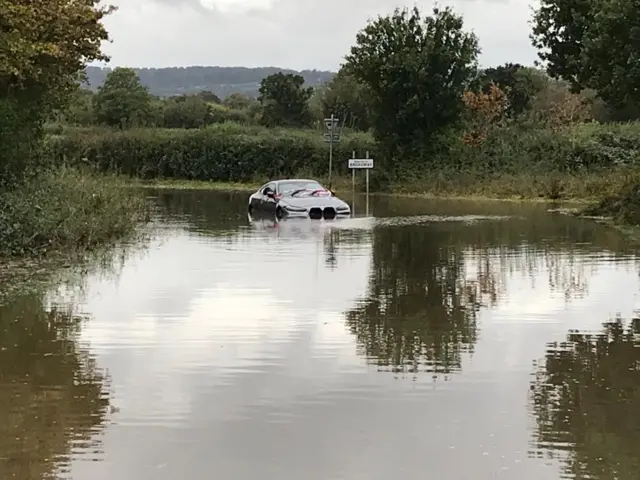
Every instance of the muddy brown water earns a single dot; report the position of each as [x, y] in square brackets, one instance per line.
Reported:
[434, 339]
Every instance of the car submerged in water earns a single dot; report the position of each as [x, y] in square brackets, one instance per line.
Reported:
[297, 198]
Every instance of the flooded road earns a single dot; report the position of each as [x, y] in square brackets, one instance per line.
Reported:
[440, 339]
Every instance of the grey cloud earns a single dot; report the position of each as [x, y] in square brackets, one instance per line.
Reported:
[195, 4]
[288, 33]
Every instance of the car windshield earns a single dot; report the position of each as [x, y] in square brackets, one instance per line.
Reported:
[297, 188]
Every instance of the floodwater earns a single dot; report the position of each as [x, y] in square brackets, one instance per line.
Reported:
[432, 340]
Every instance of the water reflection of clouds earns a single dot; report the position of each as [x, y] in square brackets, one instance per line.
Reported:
[193, 303]
[547, 304]
[532, 310]
[517, 330]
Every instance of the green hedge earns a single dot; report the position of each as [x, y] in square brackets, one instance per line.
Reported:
[521, 149]
[236, 153]
[227, 152]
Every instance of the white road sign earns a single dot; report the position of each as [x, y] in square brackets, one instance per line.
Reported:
[331, 138]
[361, 163]
[330, 123]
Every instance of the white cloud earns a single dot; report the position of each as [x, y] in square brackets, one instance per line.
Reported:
[237, 6]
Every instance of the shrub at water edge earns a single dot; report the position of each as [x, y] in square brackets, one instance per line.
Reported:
[623, 206]
[68, 209]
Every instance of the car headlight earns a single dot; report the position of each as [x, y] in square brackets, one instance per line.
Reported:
[343, 208]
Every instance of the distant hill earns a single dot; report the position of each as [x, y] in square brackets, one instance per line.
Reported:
[223, 81]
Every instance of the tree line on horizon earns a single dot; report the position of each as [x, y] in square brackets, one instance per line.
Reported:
[286, 100]
[222, 81]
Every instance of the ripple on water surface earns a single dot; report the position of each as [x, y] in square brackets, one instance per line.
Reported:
[450, 345]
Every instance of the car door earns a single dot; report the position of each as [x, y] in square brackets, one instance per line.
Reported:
[269, 203]
[256, 198]
[260, 200]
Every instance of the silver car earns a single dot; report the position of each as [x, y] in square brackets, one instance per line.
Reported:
[297, 198]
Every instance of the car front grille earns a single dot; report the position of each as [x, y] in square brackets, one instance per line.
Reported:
[329, 212]
[315, 212]
[318, 213]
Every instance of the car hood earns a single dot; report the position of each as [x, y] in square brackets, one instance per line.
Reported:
[305, 202]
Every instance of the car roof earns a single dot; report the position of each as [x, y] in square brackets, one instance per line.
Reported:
[290, 180]
[295, 180]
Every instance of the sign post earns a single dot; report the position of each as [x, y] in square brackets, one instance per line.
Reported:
[331, 136]
[353, 184]
[367, 174]
[361, 163]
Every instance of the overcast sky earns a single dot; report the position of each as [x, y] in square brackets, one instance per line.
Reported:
[295, 34]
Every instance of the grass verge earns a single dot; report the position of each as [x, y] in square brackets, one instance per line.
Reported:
[68, 209]
[623, 207]
[583, 187]
[176, 184]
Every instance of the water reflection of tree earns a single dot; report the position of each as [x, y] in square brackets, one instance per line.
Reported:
[562, 247]
[429, 280]
[205, 211]
[52, 397]
[344, 242]
[331, 241]
[586, 400]
[566, 272]
[420, 313]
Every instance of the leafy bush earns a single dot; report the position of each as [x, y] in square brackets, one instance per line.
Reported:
[186, 112]
[222, 114]
[571, 150]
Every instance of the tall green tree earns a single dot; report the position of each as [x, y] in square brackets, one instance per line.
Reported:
[285, 100]
[348, 99]
[416, 69]
[42, 51]
[122, 101]
[592, 44]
